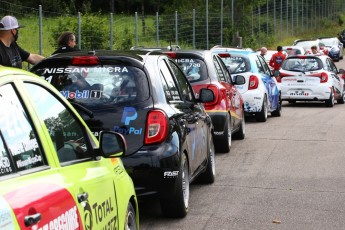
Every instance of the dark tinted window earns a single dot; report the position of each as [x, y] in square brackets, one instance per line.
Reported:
[93, 86]
[19, 144]
[194, 69]
[65, 132]
[219, 71]
[169, 85]
[187, 92]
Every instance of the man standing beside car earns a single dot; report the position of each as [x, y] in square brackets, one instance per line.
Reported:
[11, 54]
[277, 59]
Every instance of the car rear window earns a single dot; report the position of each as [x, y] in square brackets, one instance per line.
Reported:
[302, 64]
[236, 64]
[193, 68]
[94, 85]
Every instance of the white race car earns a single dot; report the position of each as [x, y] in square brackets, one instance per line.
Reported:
[311, 78]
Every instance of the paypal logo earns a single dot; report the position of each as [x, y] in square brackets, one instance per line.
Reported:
[129, 114]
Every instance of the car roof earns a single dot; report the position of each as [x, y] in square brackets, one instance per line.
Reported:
[5, 71]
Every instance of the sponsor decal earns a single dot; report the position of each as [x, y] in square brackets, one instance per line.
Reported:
[218, 133]
[67, 220]
[82, 94]
[110, 69]
[129, 114]
[171, 174]
[5, 166]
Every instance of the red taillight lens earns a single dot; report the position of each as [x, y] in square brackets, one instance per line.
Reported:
[253, 82]
[280, 77]
[85, 60]
[215, 90]
[171, 54]
[324, 77]
[156, 127]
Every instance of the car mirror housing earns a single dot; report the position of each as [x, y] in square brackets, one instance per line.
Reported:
[239, 80]
[112, 144]
[206, 95]
[341, 71]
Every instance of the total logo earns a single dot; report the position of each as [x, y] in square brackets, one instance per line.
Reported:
[129, 114]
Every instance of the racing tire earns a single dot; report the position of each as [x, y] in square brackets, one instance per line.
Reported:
[130, 221]
[278, 111]
[223, 145]
[330, 101]
[341, 100]
[241, 133]
[263, 114]
[177, 205]
[209, 175]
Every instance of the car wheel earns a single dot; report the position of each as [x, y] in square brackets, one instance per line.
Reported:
[263, 114]
[130, 223]
[341, 100]
[241, 133]
[210, 173]
[177, 205]
[223, 145]
[278, 111]
[330, 101]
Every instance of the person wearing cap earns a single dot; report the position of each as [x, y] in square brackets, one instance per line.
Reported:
[66, 43]
[11, 54]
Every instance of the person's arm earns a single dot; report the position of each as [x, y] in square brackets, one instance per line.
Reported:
[34, 58]
[271, 63]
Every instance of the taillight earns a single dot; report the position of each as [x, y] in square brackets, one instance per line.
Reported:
[280, 77]
[215, 90]
[324, 77]
[156, 127]
[253, 82]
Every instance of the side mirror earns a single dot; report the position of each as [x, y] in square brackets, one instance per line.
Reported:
[341, 71]
[112, 144]
[206, 95]
[239, 80]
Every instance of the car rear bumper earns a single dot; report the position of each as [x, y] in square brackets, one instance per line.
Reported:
[218, 121]
[154, 170]
[319, 93]
[252, 100]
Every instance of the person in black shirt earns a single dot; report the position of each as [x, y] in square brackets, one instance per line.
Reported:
[11, 54]
[66, 43]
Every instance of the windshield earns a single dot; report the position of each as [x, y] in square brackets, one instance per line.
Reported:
[330, 41]
[302, 64]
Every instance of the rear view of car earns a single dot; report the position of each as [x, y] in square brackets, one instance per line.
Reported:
[260, 93]
[311, 78]
[147, 98]
[205, 69]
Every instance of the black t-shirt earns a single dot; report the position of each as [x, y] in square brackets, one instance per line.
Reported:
[65, 49]
[12, 56]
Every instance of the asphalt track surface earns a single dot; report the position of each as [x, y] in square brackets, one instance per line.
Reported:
[287, 174]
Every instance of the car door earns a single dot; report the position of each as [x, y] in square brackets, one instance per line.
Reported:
[338, 82]
[90, 181]
[271, 84]
[184, 113]
[31, 185]
[197, 116]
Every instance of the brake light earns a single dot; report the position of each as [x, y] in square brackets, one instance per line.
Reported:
[215, 90]
[224, 55]
[171, 54]
[253, 82]
[156, 127]
[280, 77]
[85, 60]
[324, 77]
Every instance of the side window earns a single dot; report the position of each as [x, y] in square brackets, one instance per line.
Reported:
[226, 72]
[187, 91]
[66, 132]
[170, 89]
[19, 145]
[264, 65]
[220, 74]
[259, 65]
[332, 66]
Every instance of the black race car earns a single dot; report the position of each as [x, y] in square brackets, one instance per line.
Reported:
[146, 97]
